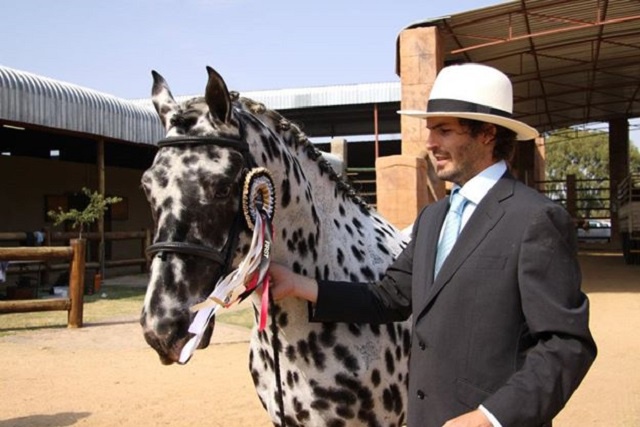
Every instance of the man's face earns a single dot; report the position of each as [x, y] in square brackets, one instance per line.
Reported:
[458, 156]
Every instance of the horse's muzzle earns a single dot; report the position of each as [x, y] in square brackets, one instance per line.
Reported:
[169, 343]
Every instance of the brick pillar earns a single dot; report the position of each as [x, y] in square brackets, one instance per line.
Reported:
[339, 149]
[618, 168]
[523, 160]
[528, 162]
[539, 162]
[400, 183]
[407, 182]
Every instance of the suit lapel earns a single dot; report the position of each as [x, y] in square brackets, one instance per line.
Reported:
[486, 216]
[431, 223]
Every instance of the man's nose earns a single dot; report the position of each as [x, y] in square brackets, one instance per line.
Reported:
[432, 143]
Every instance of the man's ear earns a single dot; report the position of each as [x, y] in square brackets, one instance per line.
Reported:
[489, 132]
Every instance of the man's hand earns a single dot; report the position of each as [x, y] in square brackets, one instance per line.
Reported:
[470, 419]
[286, 283]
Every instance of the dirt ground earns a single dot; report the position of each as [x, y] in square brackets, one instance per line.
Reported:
[104, 374]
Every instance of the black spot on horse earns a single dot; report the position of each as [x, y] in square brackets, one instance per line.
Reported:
[303, 250]
[320, 404]
[392, 399]
[382, 248]
[283, 320]
[290, 353]
[389, 362]
[340, 257]
[391, 330]
[368, 274]
[285, 193]
[357, 253]
[345, 412]
[189, 159]
[356, 223]
[363, 394]
[328, 334]
[161, 177]
[375, 377]
[349, 229]
[349, 361]
[355, 329]
[316, 352]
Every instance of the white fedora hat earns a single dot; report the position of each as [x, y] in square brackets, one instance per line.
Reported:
[477, 92]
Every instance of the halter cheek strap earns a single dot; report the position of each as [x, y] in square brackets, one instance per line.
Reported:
[224, 257]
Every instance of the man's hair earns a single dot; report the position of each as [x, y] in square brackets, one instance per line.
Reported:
[505, 138]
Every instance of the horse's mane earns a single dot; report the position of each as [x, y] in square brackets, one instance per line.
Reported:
[301, 139]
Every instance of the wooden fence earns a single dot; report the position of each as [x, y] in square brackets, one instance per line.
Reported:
[583, 198]
[59, 237]
[74, 301]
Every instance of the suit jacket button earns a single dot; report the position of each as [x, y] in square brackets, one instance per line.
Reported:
[422, 345]
[421, 395]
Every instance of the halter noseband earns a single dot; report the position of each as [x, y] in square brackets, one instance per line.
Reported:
[224, 257]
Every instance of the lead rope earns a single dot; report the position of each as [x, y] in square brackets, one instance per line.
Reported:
[276, 361]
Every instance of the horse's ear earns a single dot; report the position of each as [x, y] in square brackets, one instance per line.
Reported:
[217, 96]
[162, 99]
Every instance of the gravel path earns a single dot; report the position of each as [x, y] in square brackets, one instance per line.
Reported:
[105, 375]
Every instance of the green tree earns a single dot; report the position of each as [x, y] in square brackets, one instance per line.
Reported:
[96, 206]
[585, 154]
[634, 159]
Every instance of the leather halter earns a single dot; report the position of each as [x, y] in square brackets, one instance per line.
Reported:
[224, 257]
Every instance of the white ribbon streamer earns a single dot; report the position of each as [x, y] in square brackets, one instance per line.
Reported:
[224, 289]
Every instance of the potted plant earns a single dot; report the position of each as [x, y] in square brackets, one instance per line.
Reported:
[97, 205]
[81, 219]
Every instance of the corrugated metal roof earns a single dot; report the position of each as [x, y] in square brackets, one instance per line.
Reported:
[29, 98]
[571, 61]
[318, 96]
[326, 96]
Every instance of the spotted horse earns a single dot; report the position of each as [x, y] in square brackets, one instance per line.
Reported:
[305, 374]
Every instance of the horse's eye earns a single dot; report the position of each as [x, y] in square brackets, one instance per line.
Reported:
[223, 193]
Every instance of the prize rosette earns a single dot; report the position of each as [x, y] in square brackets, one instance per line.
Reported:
[258, 206]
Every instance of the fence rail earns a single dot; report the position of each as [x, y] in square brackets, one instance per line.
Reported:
[73, 304]
[584, 198]
[51, 237]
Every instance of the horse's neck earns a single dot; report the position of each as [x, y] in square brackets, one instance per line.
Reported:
[322, 214]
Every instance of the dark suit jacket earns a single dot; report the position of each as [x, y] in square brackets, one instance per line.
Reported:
[505, 323]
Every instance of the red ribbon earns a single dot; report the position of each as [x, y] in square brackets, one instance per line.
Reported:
[264, 309]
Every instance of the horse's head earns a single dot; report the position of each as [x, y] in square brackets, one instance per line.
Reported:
[194, 188]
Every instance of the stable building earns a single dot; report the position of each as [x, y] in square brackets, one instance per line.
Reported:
[571, 62]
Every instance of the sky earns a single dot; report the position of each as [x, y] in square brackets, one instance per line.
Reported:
[112, 46]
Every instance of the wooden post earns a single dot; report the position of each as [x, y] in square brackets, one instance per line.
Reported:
[571, 196]
[76, 283]
[102, 190]
[46, 275]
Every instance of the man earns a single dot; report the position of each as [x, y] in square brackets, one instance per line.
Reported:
[500, 334]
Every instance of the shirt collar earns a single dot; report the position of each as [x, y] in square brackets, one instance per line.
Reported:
[477, 187]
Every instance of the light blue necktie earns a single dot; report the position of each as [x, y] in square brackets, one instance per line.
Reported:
[451, 228]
